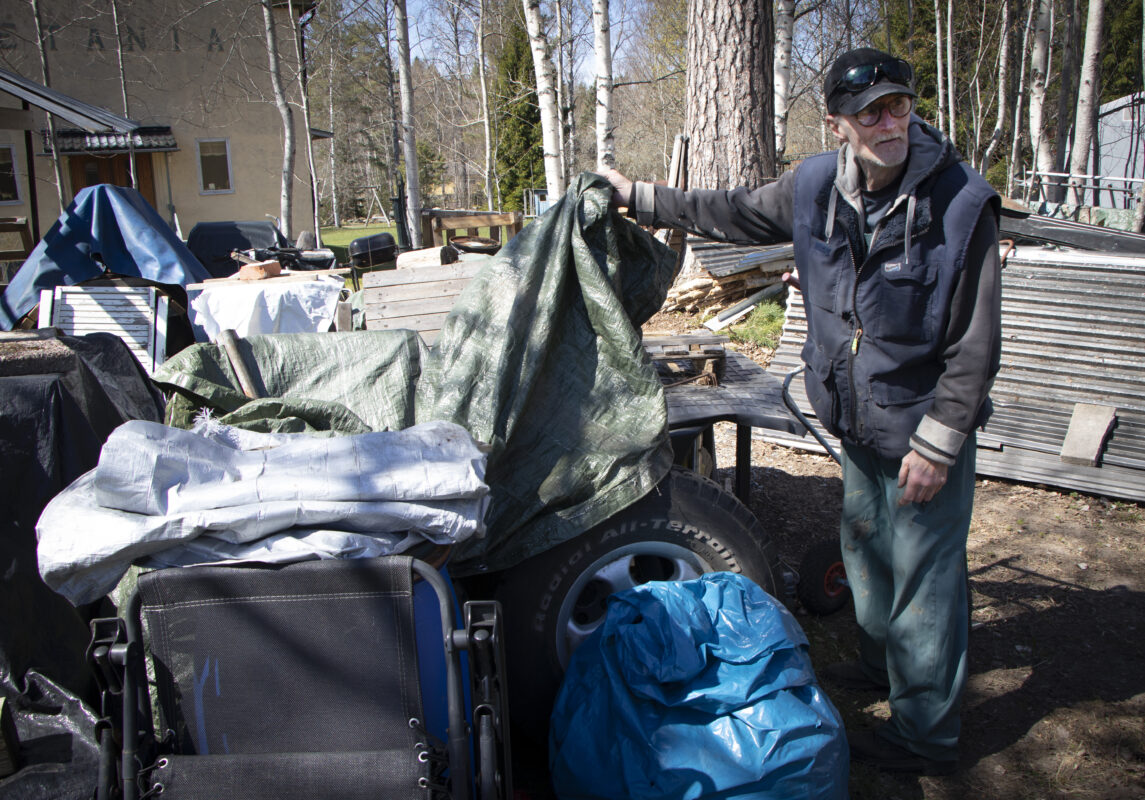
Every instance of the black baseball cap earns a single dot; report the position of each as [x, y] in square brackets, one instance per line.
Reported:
[860, 77]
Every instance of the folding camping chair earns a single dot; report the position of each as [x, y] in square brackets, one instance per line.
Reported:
[298, 681]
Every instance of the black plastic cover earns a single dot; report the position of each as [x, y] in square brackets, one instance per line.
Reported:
[373, 251]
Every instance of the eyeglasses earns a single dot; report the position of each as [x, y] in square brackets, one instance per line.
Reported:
[895, 70]
[898, 107]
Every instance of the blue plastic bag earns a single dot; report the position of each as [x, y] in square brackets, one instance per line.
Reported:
[698, 689]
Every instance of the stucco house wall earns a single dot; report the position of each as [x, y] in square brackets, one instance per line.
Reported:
[200, 69]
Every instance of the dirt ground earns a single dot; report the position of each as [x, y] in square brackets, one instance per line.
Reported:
[1055, 706]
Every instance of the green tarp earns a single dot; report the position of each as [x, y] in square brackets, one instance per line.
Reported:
[540, 357]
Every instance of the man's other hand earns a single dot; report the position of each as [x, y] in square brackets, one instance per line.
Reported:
[621, 188]
[920, 478]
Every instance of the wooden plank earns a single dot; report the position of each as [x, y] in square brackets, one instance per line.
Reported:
[1088, 428]
[462, 270]
[417, 291]
[411, 308]
[423, 324]
[484, 220]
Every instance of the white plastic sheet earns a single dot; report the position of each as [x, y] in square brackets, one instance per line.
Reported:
[163, 496]
[252, 307]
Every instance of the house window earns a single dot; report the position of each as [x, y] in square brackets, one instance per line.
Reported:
[214, 166]
[9, 186]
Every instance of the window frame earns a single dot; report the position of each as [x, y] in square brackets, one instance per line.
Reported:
[199, 165]
[19, 201]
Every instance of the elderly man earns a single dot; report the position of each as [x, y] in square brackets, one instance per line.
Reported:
[896, 250]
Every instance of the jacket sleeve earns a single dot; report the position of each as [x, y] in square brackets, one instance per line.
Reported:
[742, 216]
[971, 351]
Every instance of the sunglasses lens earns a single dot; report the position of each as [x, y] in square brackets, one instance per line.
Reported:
[860, 77]
[897, 70]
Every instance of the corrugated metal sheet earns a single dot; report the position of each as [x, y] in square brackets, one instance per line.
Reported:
[1073, 327]
[722, 260]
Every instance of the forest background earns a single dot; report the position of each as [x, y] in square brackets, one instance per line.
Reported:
[1016, 83]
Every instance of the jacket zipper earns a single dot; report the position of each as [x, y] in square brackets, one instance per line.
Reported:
[856, 335]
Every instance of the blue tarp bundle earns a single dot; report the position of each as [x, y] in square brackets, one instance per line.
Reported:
[105, 226]
[700, 689]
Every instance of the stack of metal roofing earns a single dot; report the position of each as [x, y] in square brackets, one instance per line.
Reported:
[1073, 326]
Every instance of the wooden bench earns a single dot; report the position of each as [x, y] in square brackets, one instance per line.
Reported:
[440, 225]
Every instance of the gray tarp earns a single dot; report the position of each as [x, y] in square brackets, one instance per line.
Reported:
[540, 357]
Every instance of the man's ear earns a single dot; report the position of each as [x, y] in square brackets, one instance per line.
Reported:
[833, 125]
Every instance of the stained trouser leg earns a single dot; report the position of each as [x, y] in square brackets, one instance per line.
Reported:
[911, 597]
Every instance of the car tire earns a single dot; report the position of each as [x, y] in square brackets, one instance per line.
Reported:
[823, 587]
[685, 527]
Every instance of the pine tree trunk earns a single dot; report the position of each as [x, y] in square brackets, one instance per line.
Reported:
[602, 45]
[286, 199]
[1086, 100]
[409, 145]
[546, 98]
[730, 93]
[784, 33]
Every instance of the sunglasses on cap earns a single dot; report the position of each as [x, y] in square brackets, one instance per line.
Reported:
[858, 78]
[898, 106]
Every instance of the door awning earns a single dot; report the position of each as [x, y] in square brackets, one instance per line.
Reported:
[155, 139]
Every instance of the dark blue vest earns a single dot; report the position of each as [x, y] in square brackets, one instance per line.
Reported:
[876, 321]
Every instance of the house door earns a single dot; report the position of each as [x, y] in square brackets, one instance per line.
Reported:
[88, 170]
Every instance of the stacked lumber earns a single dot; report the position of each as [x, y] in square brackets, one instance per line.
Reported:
[707, 294]
[716, 275]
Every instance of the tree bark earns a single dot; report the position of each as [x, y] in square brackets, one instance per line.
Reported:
[333, 160]
[47, 81]
[1003, 82]
[1039, 76]
[1016, 141]
[950, 67]
[784, 34]
[546, 98]
[940, 71]
[296, 34]
[409, 145]
[602, 44]
[730, 92]
[286, 197]
[1139, 213]
[1086, 100]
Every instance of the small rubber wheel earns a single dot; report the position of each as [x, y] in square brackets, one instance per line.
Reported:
[823, 587]
[683, 528]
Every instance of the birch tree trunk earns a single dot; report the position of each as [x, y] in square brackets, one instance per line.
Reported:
[602, 44]
[950, 66]
[486, 128]
[784, 34]
[1015, 143]
[730, 91]
[123, 90]
[1003, 83]
[296, 35]
[333, 160]
[941, 72]
[409, 146]
[546, 98]
[46, 79]
[562, 94]
[286, 197]
[1039, 74]
[1086, 100]
[1067, 98]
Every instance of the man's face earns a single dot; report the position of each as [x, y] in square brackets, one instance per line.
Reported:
[884, 143]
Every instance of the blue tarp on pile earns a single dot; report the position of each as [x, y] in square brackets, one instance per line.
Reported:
[105, 227]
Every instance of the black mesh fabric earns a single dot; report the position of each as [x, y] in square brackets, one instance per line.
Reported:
[294, 776]
[315, 657]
